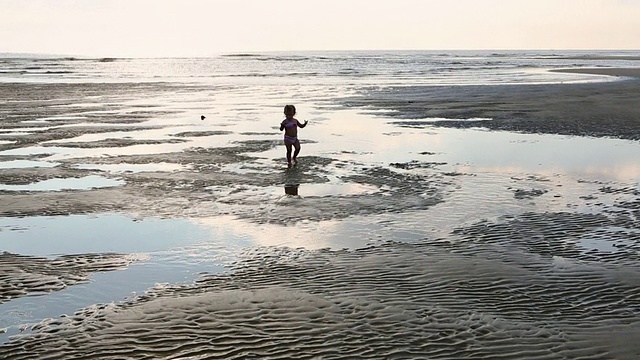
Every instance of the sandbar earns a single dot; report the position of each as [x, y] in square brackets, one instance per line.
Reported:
[596, 109]
[622, 72]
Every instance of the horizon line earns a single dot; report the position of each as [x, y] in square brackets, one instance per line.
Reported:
[260, 52]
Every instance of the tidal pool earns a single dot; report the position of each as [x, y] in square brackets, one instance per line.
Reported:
[83, 183]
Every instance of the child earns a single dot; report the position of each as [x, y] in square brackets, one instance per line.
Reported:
[290, 126]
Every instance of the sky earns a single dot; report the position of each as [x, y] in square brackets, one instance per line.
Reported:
[148, 28]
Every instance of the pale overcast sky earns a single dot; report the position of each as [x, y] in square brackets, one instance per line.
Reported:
[202, 28]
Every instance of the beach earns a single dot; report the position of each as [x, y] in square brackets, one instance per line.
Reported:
[475, 220]
[602, 109]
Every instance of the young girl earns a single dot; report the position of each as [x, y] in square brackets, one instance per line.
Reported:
[290, 126]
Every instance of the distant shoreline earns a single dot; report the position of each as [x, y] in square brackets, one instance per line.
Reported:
[600, 57]
[595, 109]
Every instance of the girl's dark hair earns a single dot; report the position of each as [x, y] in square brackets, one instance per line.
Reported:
[289, 109]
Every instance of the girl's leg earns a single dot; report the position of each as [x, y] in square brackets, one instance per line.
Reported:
[288, 145]
[295, 154]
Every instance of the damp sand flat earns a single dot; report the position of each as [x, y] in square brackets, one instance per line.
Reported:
[397, 244]
[392, 300]
[585, 109]
[628, 72]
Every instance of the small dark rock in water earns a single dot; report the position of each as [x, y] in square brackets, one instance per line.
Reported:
[201, 117]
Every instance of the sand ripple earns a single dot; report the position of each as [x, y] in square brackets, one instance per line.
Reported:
[28, 275]
[494, 291]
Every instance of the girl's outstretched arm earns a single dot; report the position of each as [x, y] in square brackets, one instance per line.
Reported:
[304, 124]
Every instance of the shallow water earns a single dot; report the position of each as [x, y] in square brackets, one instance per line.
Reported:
[488, 169]
[165, 250]
[13, 164]
[117, 168]
[84, 183]
[309, 68]
[386, 226]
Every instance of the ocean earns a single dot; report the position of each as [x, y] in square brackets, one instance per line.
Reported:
[132, 228]
[319, 69]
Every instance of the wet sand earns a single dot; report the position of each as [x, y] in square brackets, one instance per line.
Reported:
[449, 299]
[620, 72]
[515, 286]
[589, 109]
[22, 275]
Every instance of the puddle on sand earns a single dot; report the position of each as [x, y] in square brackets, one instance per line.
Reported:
[53, 119]
[470, 150]
[125, 167]
[170, 251]
[608, 239]
[257, 194]
[24, 164]
[501, 152]
[79, 234]
[598, 244]
[17, 132]
[256, 166]
[42, 150]
[83, 183]
[59, 153]
[328, 189]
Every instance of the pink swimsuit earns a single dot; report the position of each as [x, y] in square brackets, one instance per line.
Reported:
[290, 124]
